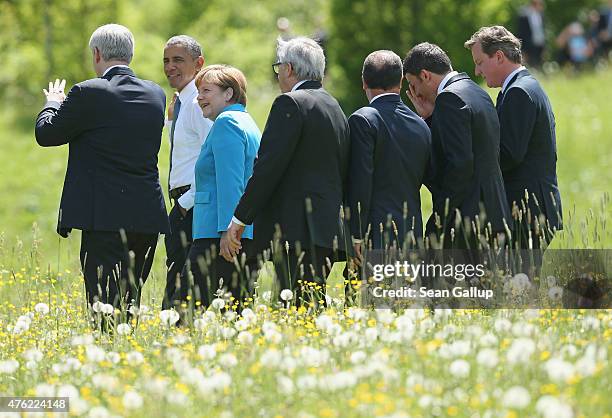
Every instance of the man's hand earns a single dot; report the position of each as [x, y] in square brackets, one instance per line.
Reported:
[423, 107]
[56, 91]
[230, 241]
[171, 106]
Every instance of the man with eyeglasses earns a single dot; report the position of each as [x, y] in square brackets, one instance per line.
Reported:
[299, 178]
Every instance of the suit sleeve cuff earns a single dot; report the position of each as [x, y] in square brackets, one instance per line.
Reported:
[236, 221]
[53, 103]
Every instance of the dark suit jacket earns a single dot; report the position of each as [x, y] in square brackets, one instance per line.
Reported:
[465, 139]
[390, 152]
[303, 154]
[525, 32]
[113, 126]
[528, 155]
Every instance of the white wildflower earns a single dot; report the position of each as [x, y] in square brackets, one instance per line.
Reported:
[134, 358]
[8, 366]
[520, 350]
[558, 370]
[124, 329]
[42, 308]
[207, 351]
[132, 400]
[459, 368]
[516, 397]
[245, 338]
[217, 304]
[169, 317]
[487, 357]
[286, 295]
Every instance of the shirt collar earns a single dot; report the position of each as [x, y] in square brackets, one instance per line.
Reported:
[236, 107]
[381, 95]
[188, 92]
[114, 66]
[512, 74]
[298, 84]
[445, 80]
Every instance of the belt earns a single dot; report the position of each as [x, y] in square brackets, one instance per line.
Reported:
[178, 192]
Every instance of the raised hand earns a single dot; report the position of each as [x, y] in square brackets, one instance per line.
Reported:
[56, 91]
[422, 106]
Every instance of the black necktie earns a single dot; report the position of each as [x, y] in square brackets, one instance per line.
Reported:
[499, 101]
[177, 109]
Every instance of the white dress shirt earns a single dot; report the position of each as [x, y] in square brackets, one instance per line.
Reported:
[113, 66]
[537, 27]
[512, 74]
[190, 133]
[445, 80]
[298, 84]
[381, 95]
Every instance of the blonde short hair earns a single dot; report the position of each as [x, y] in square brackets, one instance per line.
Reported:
[225, 76]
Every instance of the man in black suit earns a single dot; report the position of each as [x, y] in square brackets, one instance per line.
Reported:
[113, 126]
[298, 181]
[531, 32]
[390, 152]
[466, 185]
[528, 156]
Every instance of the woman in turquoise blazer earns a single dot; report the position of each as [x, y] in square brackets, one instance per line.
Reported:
[222, 171]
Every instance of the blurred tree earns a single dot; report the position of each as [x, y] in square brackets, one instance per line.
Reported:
[359, 27]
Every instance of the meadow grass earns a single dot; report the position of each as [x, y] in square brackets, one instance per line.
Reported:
[341, 362]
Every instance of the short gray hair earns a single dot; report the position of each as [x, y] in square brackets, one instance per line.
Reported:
[115, 42]
[305, 56]
[192, 46]
[497, 38]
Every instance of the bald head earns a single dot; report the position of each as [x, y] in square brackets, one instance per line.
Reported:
[382, 70]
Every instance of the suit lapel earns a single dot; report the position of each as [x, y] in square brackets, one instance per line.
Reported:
[500, 96]
[455, 78]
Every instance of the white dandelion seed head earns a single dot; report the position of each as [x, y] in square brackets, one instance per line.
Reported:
[42, 308]
[169, 317]
[517, 397]
[286, 295]
[132, 400]
[124, 329]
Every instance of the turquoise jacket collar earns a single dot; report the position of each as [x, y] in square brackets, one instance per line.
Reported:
[236, 107]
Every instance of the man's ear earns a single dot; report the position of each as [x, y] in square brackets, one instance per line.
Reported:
[499, 56]
[97, 56]
[199, 63]
[364, 86]
[425, 76]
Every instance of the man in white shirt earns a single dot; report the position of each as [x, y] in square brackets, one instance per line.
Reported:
[187, 131]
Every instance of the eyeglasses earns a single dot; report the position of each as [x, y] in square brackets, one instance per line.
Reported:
[275, 67]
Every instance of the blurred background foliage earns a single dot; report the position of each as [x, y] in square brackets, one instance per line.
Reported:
[45, 39]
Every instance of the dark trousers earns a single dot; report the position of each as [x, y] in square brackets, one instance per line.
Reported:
[305, 273]
[178, 242]
[116, 265]
[206, 272]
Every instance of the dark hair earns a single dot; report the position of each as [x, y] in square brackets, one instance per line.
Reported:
[426, 56]
[382, 70]
[497, 38]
